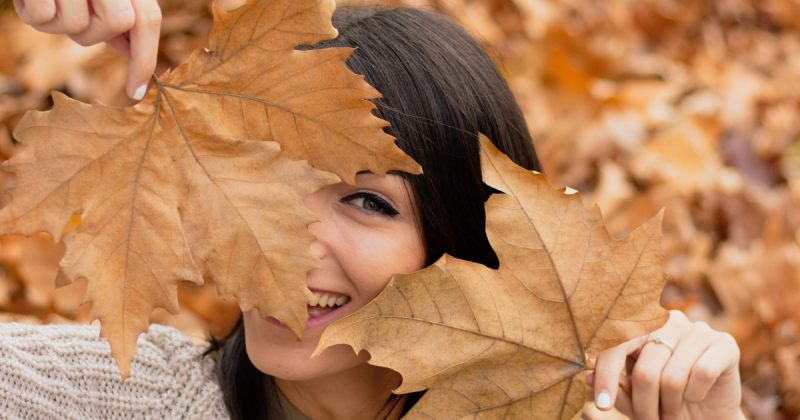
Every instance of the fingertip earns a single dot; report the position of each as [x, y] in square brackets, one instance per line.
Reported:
[144, 37]
[136, 87]
[608, 367]
[590, 380]
[603, 400]
[138, 79]
[139, 93]
[230, 5]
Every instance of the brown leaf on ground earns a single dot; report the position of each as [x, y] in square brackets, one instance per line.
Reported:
[192, 182]
[682, 157]
[219, 315]
[35, 260]
[514, 343]
[47, 60]
[5, 288]
[653, 70]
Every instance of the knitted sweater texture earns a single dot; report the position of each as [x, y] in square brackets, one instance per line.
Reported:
[66, 372]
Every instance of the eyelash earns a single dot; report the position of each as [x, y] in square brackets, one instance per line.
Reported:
[386, 209]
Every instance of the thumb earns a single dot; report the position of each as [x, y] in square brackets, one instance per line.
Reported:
[230, 5]
[608, 369]
[622, 401]
[608, 373]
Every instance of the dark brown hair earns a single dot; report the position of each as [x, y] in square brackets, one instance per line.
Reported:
[440, 89]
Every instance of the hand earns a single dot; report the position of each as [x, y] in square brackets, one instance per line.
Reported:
[89, 22]
[700, 381]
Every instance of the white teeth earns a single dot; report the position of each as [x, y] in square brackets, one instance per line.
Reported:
[326, 300]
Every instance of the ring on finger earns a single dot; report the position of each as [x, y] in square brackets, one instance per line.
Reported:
[660, 340]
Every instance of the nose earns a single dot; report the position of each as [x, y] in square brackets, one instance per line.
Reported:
[316, 247]
[315, 203]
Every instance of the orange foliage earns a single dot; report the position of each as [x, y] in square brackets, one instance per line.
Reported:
[639, 104]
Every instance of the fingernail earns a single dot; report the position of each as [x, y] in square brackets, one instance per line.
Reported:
[603, 400]
[139, 94]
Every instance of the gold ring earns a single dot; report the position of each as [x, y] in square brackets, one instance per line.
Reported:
[660, 340]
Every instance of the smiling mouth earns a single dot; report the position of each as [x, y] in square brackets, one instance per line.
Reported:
[324, 303]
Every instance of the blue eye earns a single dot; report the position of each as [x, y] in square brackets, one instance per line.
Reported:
[371, 203]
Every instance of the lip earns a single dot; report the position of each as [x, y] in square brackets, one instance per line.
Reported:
[319, 321]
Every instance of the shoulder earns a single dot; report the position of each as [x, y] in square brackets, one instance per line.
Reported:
[70, 371]
[160, 342]
[161, 348]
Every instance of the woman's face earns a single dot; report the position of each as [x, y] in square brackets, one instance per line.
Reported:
[367, 232]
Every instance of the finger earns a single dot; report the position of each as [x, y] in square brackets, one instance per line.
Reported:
[717, 359]
[144, 46]
[677, 323]
[120, 44]
[646, 375]
[230, 5]
[72, 17]
[35, 12]
[608, 369]
[675, 375]
[622, 401]
[110, 18]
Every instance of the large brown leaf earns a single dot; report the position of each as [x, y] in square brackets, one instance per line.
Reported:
[514, 343]
[192, 182]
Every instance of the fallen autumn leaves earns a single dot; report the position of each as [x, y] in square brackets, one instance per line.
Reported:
[711, 83]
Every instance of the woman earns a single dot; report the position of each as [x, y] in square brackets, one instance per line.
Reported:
[439, 90]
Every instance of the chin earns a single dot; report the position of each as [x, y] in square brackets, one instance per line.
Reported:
[275, 351]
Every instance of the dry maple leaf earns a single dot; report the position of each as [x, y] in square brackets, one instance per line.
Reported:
[192, 182]
[514, 343]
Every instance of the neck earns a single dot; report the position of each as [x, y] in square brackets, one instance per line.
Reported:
[360, 393]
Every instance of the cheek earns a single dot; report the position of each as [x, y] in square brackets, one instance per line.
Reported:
[282, 356]
[370, 259]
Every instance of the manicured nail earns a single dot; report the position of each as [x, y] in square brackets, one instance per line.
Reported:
[231, 5]
[603, 400]
[139, 94]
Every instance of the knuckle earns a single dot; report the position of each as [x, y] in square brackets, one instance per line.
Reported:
[77, 25]
[645, 376]
[692, 397]
[678, 316]
[728, 338]
[121, 18]
[673, 381]
[150, 17]
[731, 342]
[701, 327]
[704, 372]
[40, 13]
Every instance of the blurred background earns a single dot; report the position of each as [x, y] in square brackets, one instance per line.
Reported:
[689, 105]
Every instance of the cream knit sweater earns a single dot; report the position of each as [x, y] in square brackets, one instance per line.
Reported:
[66, 372]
